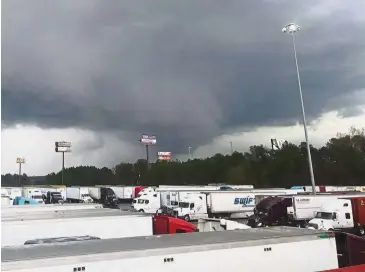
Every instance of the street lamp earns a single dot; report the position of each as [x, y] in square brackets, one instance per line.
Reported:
[190, 152]
[291, 29]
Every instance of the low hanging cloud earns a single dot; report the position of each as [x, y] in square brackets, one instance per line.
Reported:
[186, 71]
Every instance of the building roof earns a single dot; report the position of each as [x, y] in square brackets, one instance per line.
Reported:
[174, 243]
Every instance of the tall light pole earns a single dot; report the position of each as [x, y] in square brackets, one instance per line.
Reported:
[20, 161]
[231, 146]
[291, 29]
[190, 152]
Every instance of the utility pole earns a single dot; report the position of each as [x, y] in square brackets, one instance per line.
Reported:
[190, 153]
[20, 161]
[231, 145]
[148, 157]
[63, 165]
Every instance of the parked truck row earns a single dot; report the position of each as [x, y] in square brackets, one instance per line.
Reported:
[195, 204]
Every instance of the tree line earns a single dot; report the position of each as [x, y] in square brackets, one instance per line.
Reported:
[341, 161]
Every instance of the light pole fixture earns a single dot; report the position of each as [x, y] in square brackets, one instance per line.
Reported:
[292, 29]
[20, 161]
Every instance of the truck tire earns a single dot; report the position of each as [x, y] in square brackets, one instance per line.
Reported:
[187, 218]
[141, 210]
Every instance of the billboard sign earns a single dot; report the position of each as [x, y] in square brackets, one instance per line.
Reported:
[277, 144]
[164, 156]
[63, 146]
[20, 160]
[148, 140]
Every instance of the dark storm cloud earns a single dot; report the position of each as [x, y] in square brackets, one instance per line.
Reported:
[186, 71]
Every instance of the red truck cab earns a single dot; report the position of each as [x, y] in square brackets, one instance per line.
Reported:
[163, 224]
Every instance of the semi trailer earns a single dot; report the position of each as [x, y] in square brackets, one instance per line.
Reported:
[275, 249]
[30, 209]
[100, 223]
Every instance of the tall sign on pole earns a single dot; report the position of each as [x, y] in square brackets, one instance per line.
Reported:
[63, 147]
[20, 161]
[148, 140]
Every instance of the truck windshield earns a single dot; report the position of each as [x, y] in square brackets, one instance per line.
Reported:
[85, 195]
[174, 203]
[324, 215]
[183, 204]
[56, 195]
[140, 201]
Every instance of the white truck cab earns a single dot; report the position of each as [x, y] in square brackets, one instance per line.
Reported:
[192, 208]
[148, 203]
[335, 214]
[33, 193]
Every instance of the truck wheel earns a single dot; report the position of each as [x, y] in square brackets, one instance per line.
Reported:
[187, 218]
[141, 210]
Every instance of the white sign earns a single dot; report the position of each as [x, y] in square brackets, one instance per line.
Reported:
[164, 156]
[148, 140]
[20, 160]
[63, 149]
[63, 144]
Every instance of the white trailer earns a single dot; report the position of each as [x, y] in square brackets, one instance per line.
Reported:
[226, 203]
[51, 214]
[275, 249]
[104, 225]
[13, 192]
[29, 209]
[5, 201]
[78, 195]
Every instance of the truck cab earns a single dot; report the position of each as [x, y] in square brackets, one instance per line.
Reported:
[53, 198]
[336, 214]
[192, 208]
[33, 194]
[149, 203]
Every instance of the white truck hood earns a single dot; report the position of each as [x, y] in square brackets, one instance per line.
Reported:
[320, 224]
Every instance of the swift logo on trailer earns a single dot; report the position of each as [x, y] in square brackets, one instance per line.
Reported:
[244, 201]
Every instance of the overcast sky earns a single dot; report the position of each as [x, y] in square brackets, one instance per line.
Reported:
[199, 73]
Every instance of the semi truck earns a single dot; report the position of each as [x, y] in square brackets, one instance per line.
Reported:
[78, 195]
[53, 197]
[292, 210]
[103, 195]
[253, 249]
[33, 193]
[346, 214]
[225, 203]
[103, 224]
